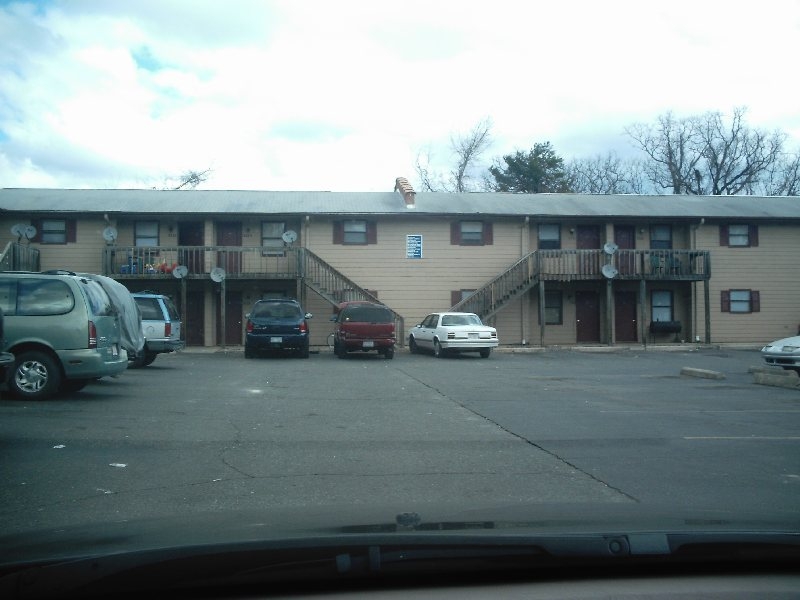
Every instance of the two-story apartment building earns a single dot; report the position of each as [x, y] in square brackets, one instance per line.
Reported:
[545, 269]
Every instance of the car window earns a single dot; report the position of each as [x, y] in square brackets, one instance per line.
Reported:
[99, 302]
[151, 309]
[172, 310]
[44, 297]
[8, 296]
[368, 314]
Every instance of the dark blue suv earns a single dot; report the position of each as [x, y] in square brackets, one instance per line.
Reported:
[277, 324]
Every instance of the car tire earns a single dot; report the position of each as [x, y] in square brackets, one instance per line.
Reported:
[389, 353]
[149, 357]
[485, 352]
[438, 351]
[412, 345]
[249, 352]
[339, 350]
[36, 376]
[304, 352]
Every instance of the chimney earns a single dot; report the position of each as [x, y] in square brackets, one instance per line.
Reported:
[406, 191]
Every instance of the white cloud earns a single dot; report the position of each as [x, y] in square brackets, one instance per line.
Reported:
[320, 95]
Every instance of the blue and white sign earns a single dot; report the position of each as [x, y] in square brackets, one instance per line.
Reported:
[414, 246]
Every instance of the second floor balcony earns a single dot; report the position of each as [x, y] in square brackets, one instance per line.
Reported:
[242, 262]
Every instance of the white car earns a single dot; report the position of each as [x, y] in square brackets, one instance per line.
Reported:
[447, 332]
[783, 353]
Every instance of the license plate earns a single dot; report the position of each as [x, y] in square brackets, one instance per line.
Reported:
[275, 340]
[369, 344]
[473, 336]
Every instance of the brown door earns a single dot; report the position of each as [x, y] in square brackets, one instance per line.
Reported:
[625, 317]
[233, 319]
[625, 239]
[230, 234]
[587, 237]
[191, 238]
[193, 315]
[587, 317]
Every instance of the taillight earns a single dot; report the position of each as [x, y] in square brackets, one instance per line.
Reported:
[303, 327]
[249, 326]
[92, 335]
[167, 329]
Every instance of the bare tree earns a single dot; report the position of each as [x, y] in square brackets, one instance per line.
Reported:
[707, 154]
[191, 179]
[782, 178]
[606, 174]
[467, 148]
[671, 145]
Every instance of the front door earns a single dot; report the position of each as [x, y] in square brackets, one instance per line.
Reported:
[233, 319]
[625, 329]
[587, 237]
[194, 318]
[625, 239]
[191, 240]
[229, 234]
[587, 317]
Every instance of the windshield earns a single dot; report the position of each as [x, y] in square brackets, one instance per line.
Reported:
[548, 248]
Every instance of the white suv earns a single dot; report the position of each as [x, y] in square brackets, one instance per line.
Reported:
[161, 326]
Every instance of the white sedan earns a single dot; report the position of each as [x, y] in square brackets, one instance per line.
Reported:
[783, 353]
[447, 332]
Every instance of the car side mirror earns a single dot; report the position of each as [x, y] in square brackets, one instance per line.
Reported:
[247, 315]
[419, 325]
[332, 319]
[309, 315]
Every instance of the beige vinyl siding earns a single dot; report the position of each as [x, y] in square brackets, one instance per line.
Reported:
[416, 287]
[771, 268]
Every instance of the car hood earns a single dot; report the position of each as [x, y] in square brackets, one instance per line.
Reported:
[329, 544]
[351, 523]
[789, 341]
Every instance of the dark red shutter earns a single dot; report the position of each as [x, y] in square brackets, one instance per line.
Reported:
[755, 301]
[455, 297]
[372, 232]
[455, 233]
[726, 301]
[752, 233]
[338, 232]
[72, 231]
[488, 235]
[723, 235]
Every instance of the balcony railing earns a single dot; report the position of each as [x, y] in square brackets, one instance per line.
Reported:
[573, 265]
[19, 257]
[140, 262]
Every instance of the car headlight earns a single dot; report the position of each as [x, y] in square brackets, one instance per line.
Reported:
[790, 348]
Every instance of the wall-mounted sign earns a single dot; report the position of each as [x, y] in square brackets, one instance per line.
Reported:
[414, 246]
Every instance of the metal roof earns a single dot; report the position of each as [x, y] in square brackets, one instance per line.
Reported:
[241, 202]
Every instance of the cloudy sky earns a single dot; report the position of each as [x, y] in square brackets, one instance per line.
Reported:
[342, 96]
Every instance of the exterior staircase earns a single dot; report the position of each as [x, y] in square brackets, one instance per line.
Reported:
[19, 257]
[489, 299]
[333, 286]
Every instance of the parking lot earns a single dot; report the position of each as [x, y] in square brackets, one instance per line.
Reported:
[210, 431]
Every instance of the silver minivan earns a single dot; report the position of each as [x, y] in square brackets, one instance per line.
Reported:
[63, 330]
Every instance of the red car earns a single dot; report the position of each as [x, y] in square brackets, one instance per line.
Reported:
[363, 326]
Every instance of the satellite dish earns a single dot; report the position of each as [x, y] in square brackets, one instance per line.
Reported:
[289, 236]
[109, 234]
[217, 274]
[610, 248]
[30, 232]
[180, 271]
[18, 230]
[609, 271]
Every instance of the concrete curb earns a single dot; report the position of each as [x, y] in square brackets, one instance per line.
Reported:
[702, 373]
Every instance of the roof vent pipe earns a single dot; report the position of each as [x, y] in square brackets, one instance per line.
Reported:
[406, 191]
